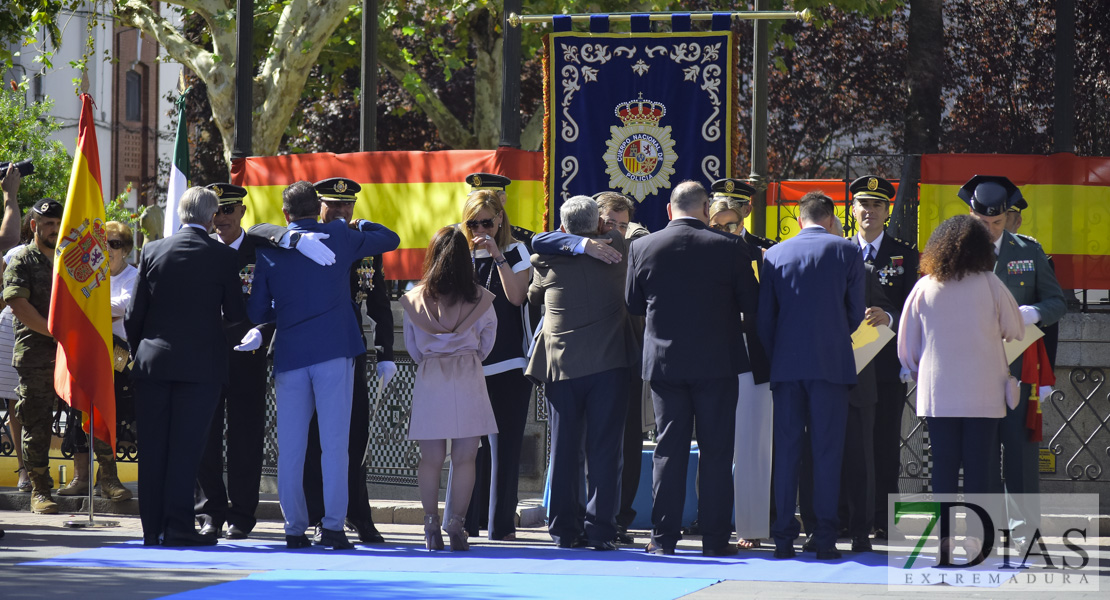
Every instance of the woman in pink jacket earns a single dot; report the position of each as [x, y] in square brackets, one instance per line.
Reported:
[450, 328]
[950, 338]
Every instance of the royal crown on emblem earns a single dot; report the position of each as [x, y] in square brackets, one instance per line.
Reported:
[640, 112]
[340, 187]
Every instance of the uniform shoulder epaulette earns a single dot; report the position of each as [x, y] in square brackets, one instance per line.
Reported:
[1027, 238]
[762, 242]
[523, 234]
[901, 241]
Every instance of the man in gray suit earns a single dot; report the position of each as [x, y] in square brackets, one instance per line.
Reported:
[583, 353]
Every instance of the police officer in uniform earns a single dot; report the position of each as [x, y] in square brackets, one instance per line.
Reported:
[337, 201]
[1024, 268]
[498, 183]
[243, 398]
[28, 281]
[1014, 220]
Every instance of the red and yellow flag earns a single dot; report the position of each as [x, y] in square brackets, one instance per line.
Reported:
[412, 193]
[80, 305]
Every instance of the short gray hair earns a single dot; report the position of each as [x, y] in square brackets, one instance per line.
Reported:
[198, 206]
[688, 196]
[579, 215]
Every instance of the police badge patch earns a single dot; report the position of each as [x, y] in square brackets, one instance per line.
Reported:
[640, 155]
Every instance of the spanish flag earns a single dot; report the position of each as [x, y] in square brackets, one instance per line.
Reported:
[80, 305]
[412, 193]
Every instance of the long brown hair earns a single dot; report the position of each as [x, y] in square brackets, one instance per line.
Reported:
[448, 269]
[959, 246]
[489, 199]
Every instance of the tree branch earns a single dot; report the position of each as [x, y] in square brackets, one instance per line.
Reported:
[451, 130]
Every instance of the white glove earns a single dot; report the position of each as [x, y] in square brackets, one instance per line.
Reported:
[310, 244]
[1044, 391]
[251, 341]
[1029, 314]
[906, 376]
[386, 370]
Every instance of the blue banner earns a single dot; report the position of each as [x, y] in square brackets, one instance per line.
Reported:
[637, 114]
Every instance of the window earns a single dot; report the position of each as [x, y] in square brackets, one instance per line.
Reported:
[134, 96]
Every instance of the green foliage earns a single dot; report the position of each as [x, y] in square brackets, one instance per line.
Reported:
[21, 21]
[26, 135]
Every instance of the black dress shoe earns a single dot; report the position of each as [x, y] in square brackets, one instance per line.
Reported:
[152, 540]
[880, 533]
[828, 554]
[335, 539]
[651, 548]
[603, 546]
[785, 552]
[568, 541]
[367, 533]
[809, 545]
[293, 542]
[726, 550]
[861, 544]
[177, 539]
[210, 530]
[318, 534]
[623, 537]
[234, 532]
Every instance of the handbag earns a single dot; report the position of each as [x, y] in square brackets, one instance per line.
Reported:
[121, 355]
[1013, 391]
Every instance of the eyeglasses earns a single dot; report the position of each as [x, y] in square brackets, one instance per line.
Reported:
[729, 227]
[622, 227]
[116, 244]
[226, 209]
[484, 223]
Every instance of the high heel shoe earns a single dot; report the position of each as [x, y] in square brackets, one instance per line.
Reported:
[433, 539]
[456, 533]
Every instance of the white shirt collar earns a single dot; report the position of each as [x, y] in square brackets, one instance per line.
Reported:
[237, 241]
[998, 244]
[875, 243]
[200, 227]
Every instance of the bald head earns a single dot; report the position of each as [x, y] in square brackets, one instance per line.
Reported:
[689, 199]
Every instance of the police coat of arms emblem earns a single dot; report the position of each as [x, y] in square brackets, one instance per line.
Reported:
[640, 154]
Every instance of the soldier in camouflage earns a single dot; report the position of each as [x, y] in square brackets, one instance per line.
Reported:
[27, 284]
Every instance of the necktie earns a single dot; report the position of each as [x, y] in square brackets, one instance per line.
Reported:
[869, 254]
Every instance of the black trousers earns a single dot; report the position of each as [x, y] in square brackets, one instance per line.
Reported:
[632, 448]
[888, 439]
[589, 409]
[497, 466]
[173, 419]
[358, 500]
[857, 473]
[709, 405]
[243, 401]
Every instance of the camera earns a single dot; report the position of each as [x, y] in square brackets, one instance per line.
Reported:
[26, 167]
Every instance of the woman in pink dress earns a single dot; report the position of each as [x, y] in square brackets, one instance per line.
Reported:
[450, 327]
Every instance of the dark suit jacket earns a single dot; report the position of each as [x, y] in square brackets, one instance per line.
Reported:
[896, 266]
[761, 363]
[810, 302]
[586, 326]
[174, 323]
[692, 283]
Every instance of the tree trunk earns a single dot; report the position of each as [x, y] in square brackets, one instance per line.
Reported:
[924, 76]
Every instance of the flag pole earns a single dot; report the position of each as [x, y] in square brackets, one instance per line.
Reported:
[92, 522]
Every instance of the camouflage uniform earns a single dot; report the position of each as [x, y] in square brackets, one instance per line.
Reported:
[30, 275]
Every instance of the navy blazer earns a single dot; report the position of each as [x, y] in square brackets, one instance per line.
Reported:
[810, 302]
[692, 283]
[174, 323]
[312, 304]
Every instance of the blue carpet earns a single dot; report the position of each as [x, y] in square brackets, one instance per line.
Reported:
[253, 555]
[323, 585]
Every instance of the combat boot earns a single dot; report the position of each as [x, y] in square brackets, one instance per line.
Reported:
[110, 485]
[41, 502]
[79, 485]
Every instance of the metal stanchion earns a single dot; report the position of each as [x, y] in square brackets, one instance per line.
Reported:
[92, 522]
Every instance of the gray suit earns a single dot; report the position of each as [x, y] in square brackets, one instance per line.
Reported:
[584, 352]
